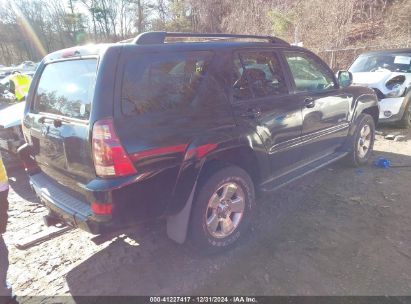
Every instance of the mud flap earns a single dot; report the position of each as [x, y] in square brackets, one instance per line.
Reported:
[177, 225]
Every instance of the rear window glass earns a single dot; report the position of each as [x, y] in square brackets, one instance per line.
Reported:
[66, 88]
[160, 82]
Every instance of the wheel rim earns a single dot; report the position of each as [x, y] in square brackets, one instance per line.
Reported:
[364, 141]
[225, 210]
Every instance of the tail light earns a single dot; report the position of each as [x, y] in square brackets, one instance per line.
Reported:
[110, 158]
[101, 209]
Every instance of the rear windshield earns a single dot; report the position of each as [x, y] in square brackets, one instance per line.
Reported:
[66, 88]
[160, 82]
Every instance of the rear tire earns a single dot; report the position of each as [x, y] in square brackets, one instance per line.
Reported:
[222, 209]
[363, 141]
[405, 121]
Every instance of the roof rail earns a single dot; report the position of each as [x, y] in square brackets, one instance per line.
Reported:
[160, 37]
[126, 40]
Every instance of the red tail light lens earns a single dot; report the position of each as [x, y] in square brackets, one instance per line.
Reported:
[98, 208]
[110, 158]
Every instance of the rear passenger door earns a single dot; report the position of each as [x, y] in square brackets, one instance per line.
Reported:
[262, 104]
[325, 107]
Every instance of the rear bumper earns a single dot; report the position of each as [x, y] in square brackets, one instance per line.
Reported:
[66, 207]
[134, 199]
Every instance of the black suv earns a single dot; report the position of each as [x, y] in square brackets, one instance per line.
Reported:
[187, 131]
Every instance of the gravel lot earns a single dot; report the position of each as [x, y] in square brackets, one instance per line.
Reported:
[339, 231]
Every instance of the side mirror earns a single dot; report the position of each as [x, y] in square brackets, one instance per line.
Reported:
[344, 78]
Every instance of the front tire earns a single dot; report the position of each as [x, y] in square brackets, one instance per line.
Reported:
[363, 141]
[222, 209]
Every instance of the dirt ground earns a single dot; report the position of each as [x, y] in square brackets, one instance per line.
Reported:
[339, 231]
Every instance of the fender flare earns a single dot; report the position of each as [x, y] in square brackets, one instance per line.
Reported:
[363, 103]
[178, 223]
[206, 150]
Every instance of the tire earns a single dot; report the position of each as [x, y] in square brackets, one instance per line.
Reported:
[358, 157]
[210, 206]
[405, 121]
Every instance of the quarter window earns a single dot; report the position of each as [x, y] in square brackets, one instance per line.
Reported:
[308, 73]
[160, 82]
[258, 74]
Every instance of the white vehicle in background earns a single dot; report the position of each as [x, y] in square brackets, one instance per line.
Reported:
[11, 113]
[11, 136]
[388, 72]
[26, 67]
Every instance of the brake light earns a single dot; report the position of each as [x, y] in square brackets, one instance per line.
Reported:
[98, 208]
[110, 158]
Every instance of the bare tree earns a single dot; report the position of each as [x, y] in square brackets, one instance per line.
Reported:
[30, 28]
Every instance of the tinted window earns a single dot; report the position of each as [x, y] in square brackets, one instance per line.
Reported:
[161, 82]
[258, 73]
[309, 73]
[67, 88]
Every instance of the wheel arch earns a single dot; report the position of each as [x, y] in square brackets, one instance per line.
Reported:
[374, 112]
[242, 156]
[366, 103]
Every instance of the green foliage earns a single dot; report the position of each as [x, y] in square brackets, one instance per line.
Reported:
[281, 24]
[180, 16]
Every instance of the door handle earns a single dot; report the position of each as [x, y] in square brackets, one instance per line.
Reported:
[309, 102]
[252, 113]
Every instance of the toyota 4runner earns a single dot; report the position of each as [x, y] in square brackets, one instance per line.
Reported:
[190, 131]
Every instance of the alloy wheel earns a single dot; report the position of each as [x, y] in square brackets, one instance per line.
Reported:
[364, 141]
[225, 210]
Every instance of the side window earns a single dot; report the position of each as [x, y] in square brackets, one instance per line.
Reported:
[160, 82]
[309, 74]
[258, 73]
[241, 87]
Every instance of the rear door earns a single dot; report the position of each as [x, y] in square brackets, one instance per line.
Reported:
[325, 107]
[58, 121]
[262, 103]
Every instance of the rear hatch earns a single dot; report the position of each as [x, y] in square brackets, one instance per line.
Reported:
[57, 122]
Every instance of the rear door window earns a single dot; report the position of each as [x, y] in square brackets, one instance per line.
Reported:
[258, 73]
[66, 88]
[159, 82]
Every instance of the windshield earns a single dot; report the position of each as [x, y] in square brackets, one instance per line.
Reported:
[400, 62]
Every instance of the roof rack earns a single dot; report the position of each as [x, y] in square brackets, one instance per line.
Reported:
[126, 40]
[160, 37]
